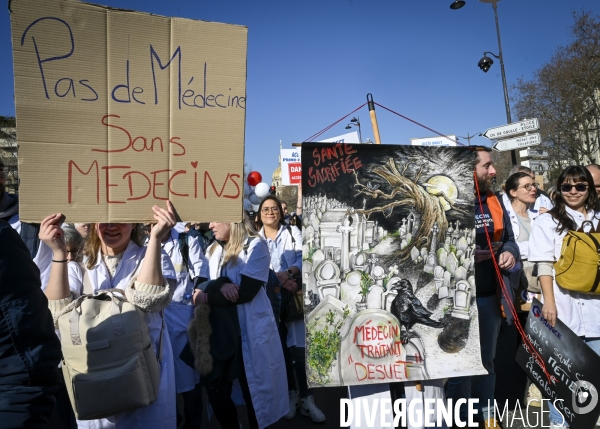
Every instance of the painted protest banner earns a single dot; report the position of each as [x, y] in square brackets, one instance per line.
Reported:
[388, 255]
[572, 363]
[120, 110]
[291, 167]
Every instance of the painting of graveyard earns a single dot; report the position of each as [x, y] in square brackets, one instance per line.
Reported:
[388, 244]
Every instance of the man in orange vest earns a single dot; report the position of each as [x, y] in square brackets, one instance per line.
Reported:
[490, 216]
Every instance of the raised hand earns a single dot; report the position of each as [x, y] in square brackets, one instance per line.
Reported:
[51, 234]
[165, 220]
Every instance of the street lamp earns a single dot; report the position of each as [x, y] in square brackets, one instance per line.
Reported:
[469, 137]
[355, 122]
[485, 63]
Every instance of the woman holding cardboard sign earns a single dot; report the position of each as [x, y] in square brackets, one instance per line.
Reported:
[576, 204]
[116, 259]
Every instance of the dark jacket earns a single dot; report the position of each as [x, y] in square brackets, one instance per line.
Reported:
[29, 348]
[9, 206]
[486, 280]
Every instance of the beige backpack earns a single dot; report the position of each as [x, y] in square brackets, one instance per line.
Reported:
[109, 363]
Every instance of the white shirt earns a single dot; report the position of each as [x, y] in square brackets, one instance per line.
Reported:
[286, 253]
[541, 201]
[580, 312]
[286, 249]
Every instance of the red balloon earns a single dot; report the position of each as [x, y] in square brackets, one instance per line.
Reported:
[254, 178]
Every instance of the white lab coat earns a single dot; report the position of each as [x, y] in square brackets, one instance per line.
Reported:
[516, 225]
[261, 346]
[287, 253]
[181, 311]
[580, 312]
[162, 413]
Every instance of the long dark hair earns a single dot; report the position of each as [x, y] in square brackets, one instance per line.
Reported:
[512, 183]
[576, 174]
[259, 222]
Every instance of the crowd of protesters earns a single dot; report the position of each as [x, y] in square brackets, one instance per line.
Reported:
[199, 278]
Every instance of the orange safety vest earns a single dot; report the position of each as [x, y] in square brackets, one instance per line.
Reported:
[497, 215]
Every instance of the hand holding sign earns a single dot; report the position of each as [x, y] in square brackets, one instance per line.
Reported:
[51, 234]
[166, 220]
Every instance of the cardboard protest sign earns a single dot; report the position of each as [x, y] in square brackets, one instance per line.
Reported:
[572, 363]
[120, 110]
[388, 263]
[291, 167]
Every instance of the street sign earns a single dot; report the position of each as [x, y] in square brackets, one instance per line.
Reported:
[513, 129]
[537, 165]
[533, 153]
[516, 143]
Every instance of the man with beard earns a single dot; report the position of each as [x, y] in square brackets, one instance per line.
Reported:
[490, 216]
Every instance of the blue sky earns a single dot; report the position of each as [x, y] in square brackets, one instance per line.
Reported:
[311, 62]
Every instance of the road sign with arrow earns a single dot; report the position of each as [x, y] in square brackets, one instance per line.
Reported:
[518, 142]
[513, 129]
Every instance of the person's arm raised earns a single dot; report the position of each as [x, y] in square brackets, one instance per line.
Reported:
[51, 234]
[151, 270]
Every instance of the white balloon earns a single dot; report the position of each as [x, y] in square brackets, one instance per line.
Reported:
[254, 199]
[256, 207]
[247, 190]
[247, 204]
[262, 190]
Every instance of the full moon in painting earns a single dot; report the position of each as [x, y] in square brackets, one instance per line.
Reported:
[444, 184]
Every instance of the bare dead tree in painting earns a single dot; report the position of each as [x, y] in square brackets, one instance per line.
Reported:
[406, 192]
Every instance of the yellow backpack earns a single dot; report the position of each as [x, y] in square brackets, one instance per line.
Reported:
[578, 268]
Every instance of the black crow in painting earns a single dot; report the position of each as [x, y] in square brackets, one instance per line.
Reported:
[409, 310]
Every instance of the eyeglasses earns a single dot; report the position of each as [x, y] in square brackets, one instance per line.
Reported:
[528, 186]
[579, 187]
[73, 251]
[265, 210]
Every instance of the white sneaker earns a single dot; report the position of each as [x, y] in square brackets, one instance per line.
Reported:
[534, 396]
[294, 402]
[308, 408]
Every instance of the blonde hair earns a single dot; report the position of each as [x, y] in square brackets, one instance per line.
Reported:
[93, 243]
[238, 235]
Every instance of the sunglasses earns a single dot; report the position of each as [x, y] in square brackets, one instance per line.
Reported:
[580, 187]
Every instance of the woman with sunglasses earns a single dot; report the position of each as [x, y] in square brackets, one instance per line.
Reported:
[116, 258]
[285, 246]
[576, 201]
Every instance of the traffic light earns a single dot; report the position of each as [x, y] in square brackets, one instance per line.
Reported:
[272, 190]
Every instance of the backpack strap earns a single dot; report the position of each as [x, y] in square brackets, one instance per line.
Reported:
[247, 245]
[289, 229]
[184, 249]
[88, 289]
[597, 279]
